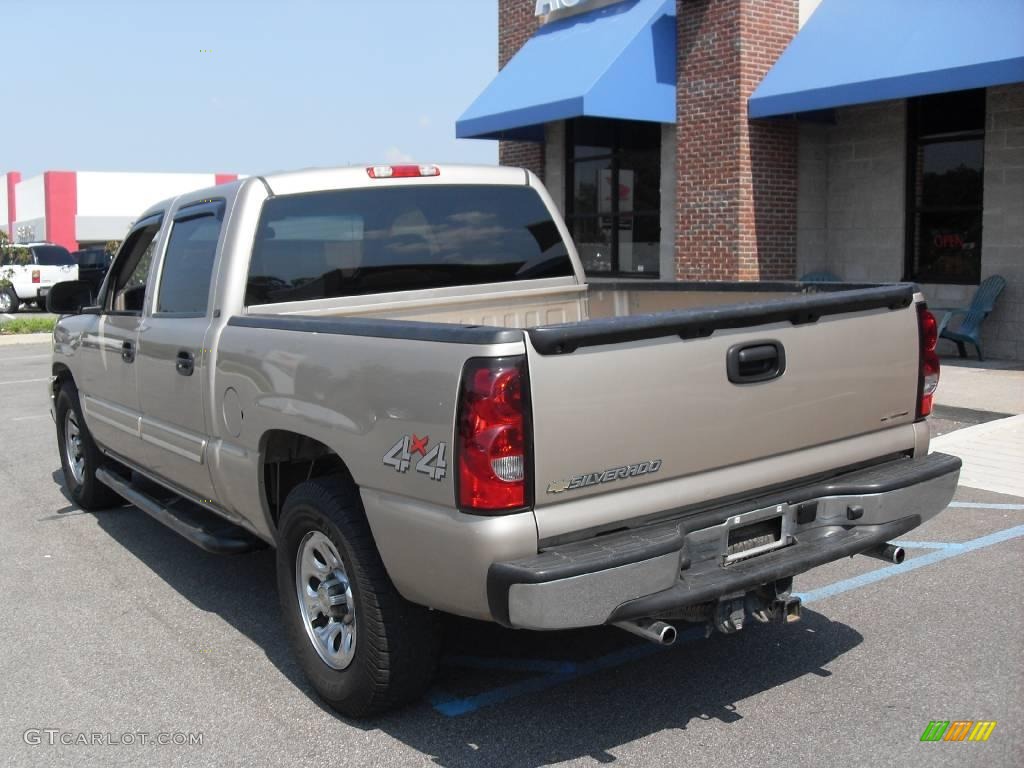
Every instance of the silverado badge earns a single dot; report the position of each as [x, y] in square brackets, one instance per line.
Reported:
[607, 476]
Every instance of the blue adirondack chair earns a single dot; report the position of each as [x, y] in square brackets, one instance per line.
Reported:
[969, 329]
[819, 277]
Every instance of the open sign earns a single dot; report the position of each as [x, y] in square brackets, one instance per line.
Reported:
[948, 240]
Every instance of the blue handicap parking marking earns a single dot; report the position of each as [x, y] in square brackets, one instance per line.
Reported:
[562, 672]
[923, 544]
[510, 665]
[936, 556]
[552, 673]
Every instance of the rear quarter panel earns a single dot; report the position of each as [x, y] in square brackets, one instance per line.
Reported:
[360, 396]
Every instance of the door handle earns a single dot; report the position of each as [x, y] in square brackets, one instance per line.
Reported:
[185, 363]
[128, 351]
[756, 361]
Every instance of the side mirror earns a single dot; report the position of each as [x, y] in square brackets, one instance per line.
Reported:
[69, 297]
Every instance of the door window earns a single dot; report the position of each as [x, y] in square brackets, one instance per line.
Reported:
[127, 292]
[188, 264]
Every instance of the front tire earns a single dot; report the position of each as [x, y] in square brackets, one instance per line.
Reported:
[79, 456]
[364, 648]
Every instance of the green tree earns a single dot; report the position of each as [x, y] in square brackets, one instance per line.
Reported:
[5, 247]
[10, 255]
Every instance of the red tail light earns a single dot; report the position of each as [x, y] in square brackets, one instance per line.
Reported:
[35, 275]
[493, 440]
[928, 378]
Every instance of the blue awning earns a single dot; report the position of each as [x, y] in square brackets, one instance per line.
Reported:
[618, 61]
[859, 51]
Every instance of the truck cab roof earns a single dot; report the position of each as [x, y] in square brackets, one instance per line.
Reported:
[353, 176]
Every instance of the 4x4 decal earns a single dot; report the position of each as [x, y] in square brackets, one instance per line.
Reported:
[431, 463]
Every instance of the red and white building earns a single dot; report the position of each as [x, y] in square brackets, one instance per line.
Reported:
[81, 208]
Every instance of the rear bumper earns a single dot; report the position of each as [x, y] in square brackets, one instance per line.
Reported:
[670, 565]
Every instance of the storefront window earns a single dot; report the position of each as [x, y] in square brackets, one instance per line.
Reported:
[614, 198]
[945, 185]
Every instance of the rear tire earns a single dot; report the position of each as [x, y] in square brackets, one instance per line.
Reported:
[79, 456]
[372, 651]
[9, 302]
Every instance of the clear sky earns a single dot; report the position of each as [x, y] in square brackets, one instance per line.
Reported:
[125, 85]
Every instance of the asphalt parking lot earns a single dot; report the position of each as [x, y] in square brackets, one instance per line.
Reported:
[114, 625]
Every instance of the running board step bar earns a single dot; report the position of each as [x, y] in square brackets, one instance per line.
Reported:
[203, 528]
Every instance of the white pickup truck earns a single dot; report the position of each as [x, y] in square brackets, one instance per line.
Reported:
[28, 272]
[400, 378]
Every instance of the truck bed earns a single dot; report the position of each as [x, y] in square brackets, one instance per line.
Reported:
[527, 306]
[635, 396]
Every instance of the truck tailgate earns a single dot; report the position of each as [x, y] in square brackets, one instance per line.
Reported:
[631, 401]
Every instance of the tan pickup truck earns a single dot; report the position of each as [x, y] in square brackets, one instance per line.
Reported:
[399, 377]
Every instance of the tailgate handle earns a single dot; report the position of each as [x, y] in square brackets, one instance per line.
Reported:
[756, 361]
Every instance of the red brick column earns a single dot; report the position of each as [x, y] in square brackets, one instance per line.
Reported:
[516, 23]
[736, 179]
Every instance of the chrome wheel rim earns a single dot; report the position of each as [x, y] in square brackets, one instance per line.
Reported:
[73, 446]
[326, 604]
[5, 301]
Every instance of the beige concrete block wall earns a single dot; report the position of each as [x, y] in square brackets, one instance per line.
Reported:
[866, 167]
[812, 199]
[850, 198]
[554, 162]
[1002, 237]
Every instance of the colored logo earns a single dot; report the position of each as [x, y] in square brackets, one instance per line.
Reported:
[432, 464]
[958, 730]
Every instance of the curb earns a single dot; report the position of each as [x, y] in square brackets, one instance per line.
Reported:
[25, 338]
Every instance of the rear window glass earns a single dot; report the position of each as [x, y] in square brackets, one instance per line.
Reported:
[52, 256]
[358, 241]
[91, 258]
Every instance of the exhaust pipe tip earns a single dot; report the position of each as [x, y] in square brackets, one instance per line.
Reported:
[890, 553]
[657, 632]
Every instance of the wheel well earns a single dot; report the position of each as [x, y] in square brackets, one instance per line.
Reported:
[61, 373]
[289, 459]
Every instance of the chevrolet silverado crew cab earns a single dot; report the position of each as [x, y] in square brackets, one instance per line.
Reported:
[399, 377]
[28, 272]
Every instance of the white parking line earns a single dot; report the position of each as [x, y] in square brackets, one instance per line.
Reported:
[5, 316]
[25, 357]
[23, 381]
[29, 418]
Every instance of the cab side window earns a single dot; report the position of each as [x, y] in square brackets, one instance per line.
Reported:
[188, 261]
[127, 289]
